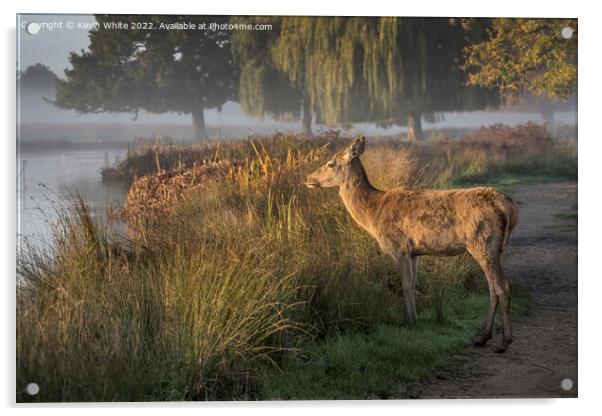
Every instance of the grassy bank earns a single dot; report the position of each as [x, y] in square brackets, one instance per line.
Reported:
[485, 155]
[384, 363]
[234, 269]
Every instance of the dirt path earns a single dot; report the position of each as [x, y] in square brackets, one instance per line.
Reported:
[543, 256]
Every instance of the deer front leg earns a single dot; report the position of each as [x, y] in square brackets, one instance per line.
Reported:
[414, 269]
[408, 282]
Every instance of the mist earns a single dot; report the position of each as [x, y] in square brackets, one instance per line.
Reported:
[40, 120]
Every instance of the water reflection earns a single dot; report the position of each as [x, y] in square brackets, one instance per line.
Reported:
[49, 179]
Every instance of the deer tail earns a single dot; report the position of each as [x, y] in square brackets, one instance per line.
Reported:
[509, 214]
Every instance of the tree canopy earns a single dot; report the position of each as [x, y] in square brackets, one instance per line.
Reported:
[152, 68]
[37, 76]
[334, 70]
[538, 56]
[263, 90]
[363, 69]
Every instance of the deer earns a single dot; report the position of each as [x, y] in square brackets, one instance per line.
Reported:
[410, 222]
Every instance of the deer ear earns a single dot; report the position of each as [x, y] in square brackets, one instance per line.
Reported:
[355, 149]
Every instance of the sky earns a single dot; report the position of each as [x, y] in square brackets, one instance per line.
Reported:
[51, 46]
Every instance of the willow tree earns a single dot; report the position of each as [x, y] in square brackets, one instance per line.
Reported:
[385, 70]
[263, 89]
[278, 70]
[156, 64]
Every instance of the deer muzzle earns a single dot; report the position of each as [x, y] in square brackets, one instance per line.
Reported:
[312, 182]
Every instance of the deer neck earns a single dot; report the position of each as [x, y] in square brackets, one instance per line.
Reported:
[359, 195]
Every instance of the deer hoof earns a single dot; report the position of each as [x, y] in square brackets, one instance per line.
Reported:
[503, 347]
[480, 340]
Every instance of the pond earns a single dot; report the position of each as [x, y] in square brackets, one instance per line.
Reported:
[47, 180]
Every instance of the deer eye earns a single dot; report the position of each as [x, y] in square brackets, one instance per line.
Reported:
[331, 164]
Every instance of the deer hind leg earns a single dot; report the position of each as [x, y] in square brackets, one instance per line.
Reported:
[499, 292]
[485, 334]
[505, 309]
[407, 267]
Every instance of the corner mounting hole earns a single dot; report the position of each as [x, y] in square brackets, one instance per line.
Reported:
[32, 389]
[33, 28]
[566, 384]
[566, 32]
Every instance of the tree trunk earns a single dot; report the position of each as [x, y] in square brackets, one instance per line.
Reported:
[307, 118]
[198, 124]
[415, 126]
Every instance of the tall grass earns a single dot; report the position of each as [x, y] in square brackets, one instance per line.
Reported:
[114, 320]
[145, 158]
[227, 272]
[196, 305]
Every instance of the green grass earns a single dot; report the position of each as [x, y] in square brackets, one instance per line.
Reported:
[549, 170]
[569, 215]
[505, 180]
[383, 363]
[568, 220]
[525, 152]
[507, 183]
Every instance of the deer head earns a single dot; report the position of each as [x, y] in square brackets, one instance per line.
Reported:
[338, 169]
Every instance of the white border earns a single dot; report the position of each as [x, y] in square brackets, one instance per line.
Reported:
[590, 158]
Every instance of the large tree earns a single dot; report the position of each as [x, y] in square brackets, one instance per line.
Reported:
[157, 66]
[524, 56]
[386, 70]
[263, 89]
